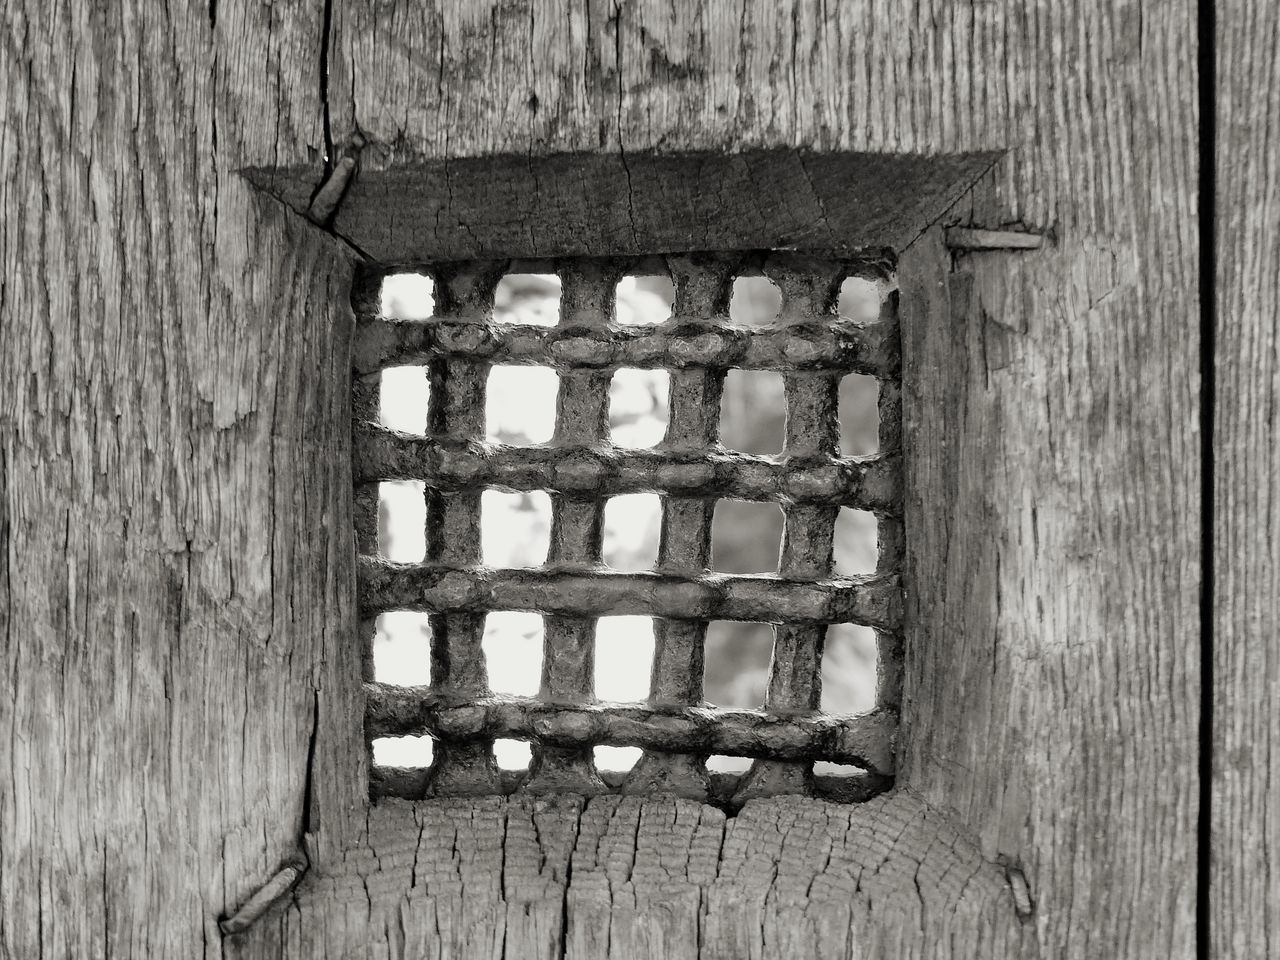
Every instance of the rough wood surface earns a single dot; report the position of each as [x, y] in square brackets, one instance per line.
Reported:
[614, 202]
[1244, 916]
[175, 604]
[173, 374]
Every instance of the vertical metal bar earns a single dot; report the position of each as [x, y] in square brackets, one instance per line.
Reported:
[684, 545]
[582, 418]
[456, 410]
[812, 427]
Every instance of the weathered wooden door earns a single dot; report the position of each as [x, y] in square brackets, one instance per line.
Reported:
[183, 708]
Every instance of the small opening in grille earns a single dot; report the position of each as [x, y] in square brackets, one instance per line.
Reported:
[644, 299]
[624, 653]
[850, 669]
[745, 537]
[638, 407]
[737, 663]
[616, 759]
[756, 301]
[859, 415]
[855, 551]
[753, 412]
[515, 528]
[402, 648]
[632, 524]
[511, 754]
[520, 405]
[403, 751]
[527, 298]
[512, 645]
[403, 399]
[402, 516]
[407, 296]
[632, 521]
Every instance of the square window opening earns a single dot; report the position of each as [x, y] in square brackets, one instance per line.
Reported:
[738, 655]
[746, 536]
[531, 299]
[624, 658]
[720, 763]
[520, 405]
[755, 302]
[644, 300]
[863, 298]
[856, 546]
[512, 645]
[859, 415]
[638, 411]
[402, 518]
[405, 752]
[403, 394]
[632, 525]
[616, 759]
[512, 754]
[402, 648]
[850, 665]
[408, 296]
[515, 528]
[753, 412]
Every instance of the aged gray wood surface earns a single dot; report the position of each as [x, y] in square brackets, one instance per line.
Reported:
[1245, 863]
[173, 463]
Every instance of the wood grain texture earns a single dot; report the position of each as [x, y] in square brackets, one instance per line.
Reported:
[175, 603]
[1244, 919]
[174, 515]
[1052, 684]
[616, 203]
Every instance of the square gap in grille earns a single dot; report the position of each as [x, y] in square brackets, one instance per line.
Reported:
[859, 415]
[855, 546]
[644, 300]
[402, 648]
[520, 405]
[745, 536]
[532, 299]
[515, 528]
[616, 759]
[720, 763]
[411, 752]
[755, 301]
[850, 664]
[638, 411]
[402, 518]
[632, 524]
[512, 645]
[407, 296]
[512, 754]
[753, 412]
[624, 658]
[863, 298]
[738, 654]
[403, 394]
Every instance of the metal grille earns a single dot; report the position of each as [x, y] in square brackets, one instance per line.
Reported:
[813, 348]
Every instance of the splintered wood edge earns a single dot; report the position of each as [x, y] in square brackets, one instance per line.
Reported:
[597, 204]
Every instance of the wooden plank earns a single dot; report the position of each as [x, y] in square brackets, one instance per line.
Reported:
[596, 204]
[1244, 862]
[1051, 714]
[176, 587]
[176, 599]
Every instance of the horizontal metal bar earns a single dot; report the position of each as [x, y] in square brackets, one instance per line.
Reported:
[594, 592]
[414, 783]
[871, 483]
[834, 344]
[866, 740]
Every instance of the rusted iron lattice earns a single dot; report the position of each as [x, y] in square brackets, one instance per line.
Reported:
[813, 348]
